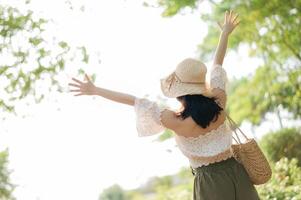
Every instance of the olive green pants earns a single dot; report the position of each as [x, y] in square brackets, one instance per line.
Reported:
[225, 180]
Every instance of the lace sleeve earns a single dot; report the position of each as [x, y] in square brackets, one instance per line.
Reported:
[148, 117]
[218, 77]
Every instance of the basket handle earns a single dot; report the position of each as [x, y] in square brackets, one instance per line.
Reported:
[234, 126]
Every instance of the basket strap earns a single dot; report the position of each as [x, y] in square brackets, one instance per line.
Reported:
[236, 139]
[234, 126]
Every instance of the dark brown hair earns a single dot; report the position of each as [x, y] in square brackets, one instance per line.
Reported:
[202, 109]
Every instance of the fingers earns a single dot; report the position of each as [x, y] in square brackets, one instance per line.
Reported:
[87, 78]
[230, 15]
[75, 90]
[237, 23]
[235, 18]
[78, 94]
[78, 81]
[72, 84]
[226, 16]
[232, 18]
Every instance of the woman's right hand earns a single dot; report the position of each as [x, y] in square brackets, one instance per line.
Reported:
[87, 88]
[230, 22]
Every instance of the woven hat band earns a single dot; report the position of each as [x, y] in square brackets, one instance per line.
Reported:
[187, 81]
[173, 77]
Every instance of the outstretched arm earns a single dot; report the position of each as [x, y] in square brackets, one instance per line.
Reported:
[230, 22]
[88, 88]
[164, 118]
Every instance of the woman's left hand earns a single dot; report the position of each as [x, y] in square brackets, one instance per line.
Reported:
[230, 22]
[87, 88]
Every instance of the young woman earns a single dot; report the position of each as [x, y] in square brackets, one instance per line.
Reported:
[200, 128]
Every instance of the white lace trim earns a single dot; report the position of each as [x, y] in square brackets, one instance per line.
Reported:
[148, 117]
[218, 77]
[212, 143]
[198, 163]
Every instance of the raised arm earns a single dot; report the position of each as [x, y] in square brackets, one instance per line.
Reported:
[218, 75]
[229, 24]
[88, 88]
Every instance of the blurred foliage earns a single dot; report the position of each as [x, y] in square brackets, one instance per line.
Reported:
[28, 56]
[172, 7]
[6, 187]
[170, 187]
[269, 90]
[283, 143]
[285, 183]
[167, 134]
[115, 192]
[175, 187]
[134, 195]
[253, 97]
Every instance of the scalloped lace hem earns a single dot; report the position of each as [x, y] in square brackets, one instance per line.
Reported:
[198, 161]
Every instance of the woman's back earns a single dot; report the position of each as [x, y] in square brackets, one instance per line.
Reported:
[189, 128]
[204, 146]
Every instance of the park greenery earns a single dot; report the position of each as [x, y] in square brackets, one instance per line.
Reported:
[28, 56]
[6, 187]
[270, 30]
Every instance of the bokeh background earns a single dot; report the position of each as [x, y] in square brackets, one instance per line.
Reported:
[55, 146]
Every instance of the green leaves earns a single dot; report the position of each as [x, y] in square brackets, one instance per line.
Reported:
[35, 41]
[285, 182]
[170, 187]
[63, 44]
[283, 143]
[84, 53]
[167, 134]
[31, 59]
[6, 187]
[115, 192]
[173, 7]
[265, 92]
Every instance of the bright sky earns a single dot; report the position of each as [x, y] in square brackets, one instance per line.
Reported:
[73, 147]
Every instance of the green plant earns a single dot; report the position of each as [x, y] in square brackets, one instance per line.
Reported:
[283, 143]
[285, 183]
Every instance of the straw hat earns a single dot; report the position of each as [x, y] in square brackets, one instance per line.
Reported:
[188, 78]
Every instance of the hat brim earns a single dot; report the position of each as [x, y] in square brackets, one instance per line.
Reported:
[179, 89]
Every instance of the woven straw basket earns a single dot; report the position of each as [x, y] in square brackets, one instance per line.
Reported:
[250, 156]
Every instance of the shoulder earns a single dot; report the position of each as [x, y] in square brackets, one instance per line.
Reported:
[162, 114]
[170, 120]
[221, 97]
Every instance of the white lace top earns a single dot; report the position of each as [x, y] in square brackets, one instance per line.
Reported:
[211, 147]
